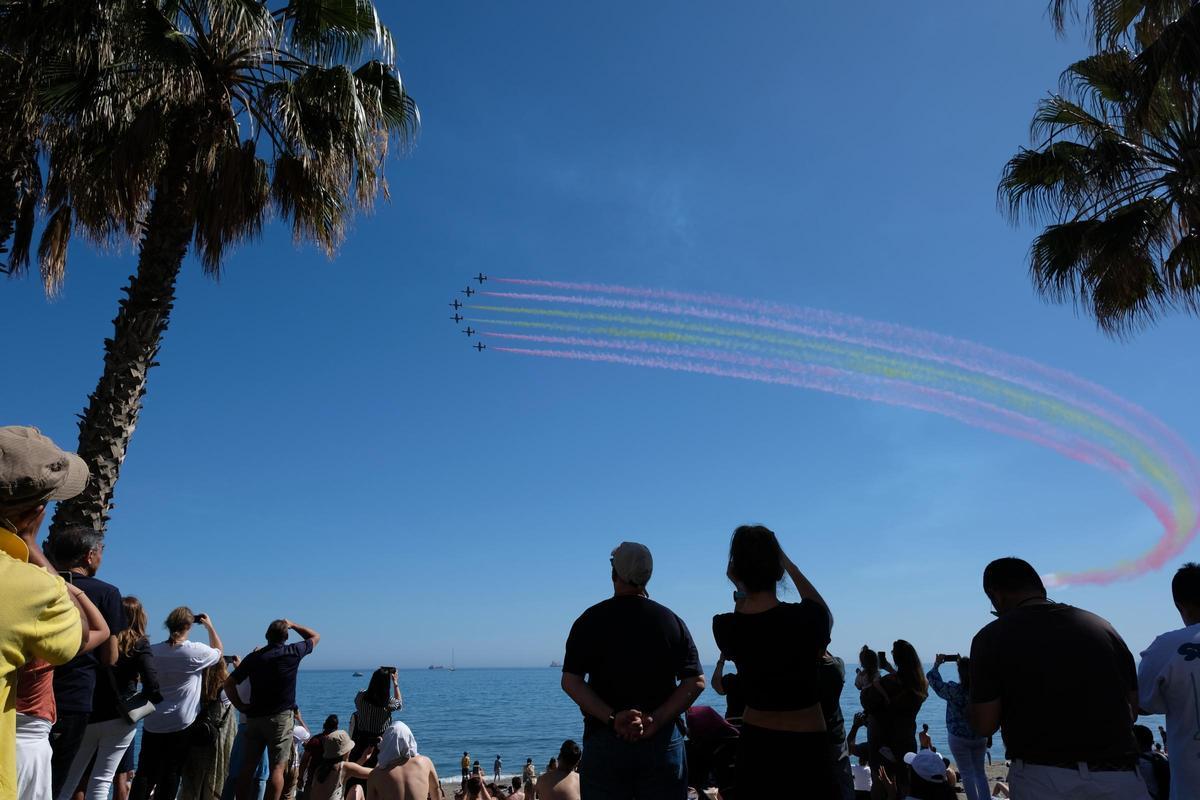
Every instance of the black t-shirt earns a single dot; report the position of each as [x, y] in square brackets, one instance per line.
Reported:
[75, 681]
[633, 652]
[735, 705]
[272, 675]
[778, 653]
[1063, 677]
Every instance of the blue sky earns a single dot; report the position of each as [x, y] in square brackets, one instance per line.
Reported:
[319, 444]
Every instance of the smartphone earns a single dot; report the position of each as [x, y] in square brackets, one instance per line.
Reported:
[67, 576]
[230, 661]
[953, 657]
[882, 656]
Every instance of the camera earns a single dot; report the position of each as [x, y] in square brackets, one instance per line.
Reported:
[199, 619]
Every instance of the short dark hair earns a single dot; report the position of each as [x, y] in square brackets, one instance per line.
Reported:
[1185, 586]
[568, 755]
[277, 632]
[516, 782]
[1012, 574]
[1143, 736]
[331, 723]
[755, 558]
[70, 547]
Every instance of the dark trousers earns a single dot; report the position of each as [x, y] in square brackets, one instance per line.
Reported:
[650, 769]
[782, 764]
[65, 738]
[159, 764]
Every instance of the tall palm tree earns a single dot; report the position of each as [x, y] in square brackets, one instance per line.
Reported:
[188, 124]
[1115, 174]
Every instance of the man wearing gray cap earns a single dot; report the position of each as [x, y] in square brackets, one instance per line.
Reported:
[40, 617]
[632, 668]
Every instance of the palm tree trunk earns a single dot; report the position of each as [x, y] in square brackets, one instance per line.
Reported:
[107, 423]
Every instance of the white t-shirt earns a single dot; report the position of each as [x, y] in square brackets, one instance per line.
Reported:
[862, 777]
[1169, 683]
[180, 680]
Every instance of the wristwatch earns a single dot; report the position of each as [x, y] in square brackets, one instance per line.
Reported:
[612, 720]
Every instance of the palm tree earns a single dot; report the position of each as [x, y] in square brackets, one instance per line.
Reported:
[1115, 174]
[188, 124]
[1116, 21]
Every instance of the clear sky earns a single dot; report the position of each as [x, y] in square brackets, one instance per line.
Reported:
[320, 444]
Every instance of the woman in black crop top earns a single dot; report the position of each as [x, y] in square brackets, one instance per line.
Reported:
[778, 649]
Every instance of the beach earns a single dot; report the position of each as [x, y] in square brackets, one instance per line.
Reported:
[521, 713]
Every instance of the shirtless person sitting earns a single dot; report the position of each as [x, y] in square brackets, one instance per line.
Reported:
[402, 774]
[561, 783]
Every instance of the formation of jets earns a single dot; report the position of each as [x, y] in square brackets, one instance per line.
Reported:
[457, 318]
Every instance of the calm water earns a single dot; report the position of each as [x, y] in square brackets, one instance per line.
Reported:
[518, 713]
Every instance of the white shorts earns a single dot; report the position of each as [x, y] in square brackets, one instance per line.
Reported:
[33, 758]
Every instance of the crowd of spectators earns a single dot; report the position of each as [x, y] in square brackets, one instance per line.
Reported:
[78, 674]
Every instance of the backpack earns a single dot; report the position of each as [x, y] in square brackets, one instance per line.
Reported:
[205, 731]
[1162, 773]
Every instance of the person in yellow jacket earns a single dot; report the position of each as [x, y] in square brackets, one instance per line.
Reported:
[40, 617]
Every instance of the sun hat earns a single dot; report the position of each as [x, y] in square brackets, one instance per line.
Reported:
[632, 563]
[928, 765]
[337, 744]
[35, 469]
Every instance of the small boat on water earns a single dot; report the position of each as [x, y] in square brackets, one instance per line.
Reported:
[357, 675]
[555, 665]
[436, 666]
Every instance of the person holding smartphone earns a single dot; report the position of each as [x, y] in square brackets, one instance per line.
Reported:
[778, 648]
[165, 739]
[967, 746]
[373, 709]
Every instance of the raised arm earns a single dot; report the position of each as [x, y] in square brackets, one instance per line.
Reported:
[935, 678]
[718, 683]
[804, 587]
[305, 633]
[214, 641]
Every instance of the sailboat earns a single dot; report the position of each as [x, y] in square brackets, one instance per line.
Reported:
[451, 667]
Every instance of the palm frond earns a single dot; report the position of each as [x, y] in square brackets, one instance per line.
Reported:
[337, 30]
[52, 250]
[230, 200]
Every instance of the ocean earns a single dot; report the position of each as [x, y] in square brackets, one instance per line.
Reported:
[521, 713]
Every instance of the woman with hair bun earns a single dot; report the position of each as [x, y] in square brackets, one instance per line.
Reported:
[778, 648]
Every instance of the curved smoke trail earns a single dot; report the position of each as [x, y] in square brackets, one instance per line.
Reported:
[885, 363]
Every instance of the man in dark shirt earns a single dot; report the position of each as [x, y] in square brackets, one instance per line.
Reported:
[269, 718]
[642, 672]
[77, 553]
[1039, 661]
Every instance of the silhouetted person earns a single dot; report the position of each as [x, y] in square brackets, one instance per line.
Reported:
[778, 648]
[642, 672]
[1041, 661]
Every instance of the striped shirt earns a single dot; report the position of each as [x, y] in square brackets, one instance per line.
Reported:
[371, 719]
